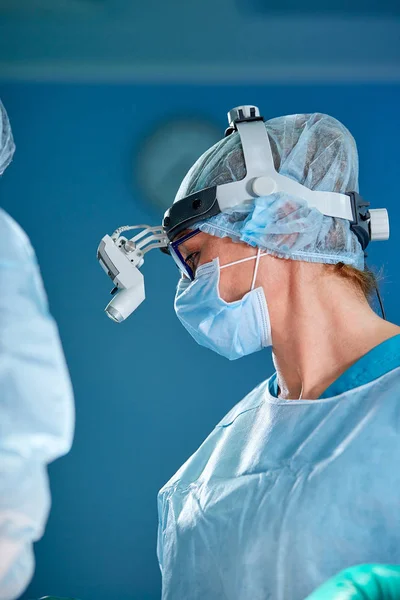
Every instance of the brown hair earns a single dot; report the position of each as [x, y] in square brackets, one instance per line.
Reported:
[364, 281]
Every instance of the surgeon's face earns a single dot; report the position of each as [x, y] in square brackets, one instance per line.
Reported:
[236, 280]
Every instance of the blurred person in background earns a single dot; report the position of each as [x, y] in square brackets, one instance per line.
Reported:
[36, 398]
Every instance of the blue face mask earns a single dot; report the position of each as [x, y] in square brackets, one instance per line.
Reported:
[233, 329]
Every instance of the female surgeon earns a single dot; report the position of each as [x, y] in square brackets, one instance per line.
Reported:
[301, 479]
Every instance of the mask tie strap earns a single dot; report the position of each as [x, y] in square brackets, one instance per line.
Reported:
[237, 262]
[256, 269]
[256, 258]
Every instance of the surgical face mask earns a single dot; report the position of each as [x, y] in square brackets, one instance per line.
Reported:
[233, 329]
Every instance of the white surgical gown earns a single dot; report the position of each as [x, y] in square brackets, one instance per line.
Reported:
[36, 406]
[283, 495]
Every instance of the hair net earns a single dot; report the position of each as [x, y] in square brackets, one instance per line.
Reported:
[313, 149]
[7, 146]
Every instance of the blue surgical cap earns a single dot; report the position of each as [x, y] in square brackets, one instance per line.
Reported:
[313, 149]
[7, 146]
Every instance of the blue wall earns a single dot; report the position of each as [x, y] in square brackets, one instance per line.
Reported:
[146, 394]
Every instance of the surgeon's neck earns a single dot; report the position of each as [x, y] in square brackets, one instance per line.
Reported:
[320, 327]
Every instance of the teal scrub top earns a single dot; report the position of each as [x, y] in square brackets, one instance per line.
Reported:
[377, 362]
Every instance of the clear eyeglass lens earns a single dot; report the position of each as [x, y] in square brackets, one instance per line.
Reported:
[180, 263]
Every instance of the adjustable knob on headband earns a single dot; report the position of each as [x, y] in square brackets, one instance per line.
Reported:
[263, 186]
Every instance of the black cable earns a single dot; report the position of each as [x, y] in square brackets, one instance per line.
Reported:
[378, 294]
[380, 302]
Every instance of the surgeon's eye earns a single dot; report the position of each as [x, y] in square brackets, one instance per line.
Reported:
[192, 260]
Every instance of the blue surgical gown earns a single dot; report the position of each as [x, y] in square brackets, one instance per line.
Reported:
[283, 494]
[36, 406]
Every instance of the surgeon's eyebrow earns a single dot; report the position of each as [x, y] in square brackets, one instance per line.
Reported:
[182, 234]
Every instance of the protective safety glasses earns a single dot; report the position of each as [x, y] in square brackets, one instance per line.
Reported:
[181, 256]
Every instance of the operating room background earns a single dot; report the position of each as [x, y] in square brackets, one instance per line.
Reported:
[146, 394]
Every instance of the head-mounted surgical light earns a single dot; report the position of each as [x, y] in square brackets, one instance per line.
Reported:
[121, 258]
